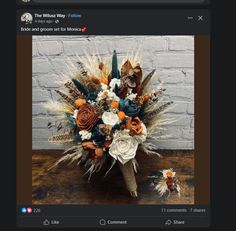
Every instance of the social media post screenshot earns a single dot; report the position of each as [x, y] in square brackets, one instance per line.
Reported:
[113, 119]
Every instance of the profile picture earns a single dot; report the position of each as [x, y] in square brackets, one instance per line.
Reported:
[27, 18]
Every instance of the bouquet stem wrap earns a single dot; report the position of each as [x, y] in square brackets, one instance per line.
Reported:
[129, 177]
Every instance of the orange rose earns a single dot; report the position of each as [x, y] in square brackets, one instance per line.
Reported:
[114, 104]
[135, 126]
[87, 117]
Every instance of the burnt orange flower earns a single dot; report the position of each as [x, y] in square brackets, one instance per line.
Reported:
[99, 152]
[135, 126]
[87, 117]
[146, 98]
[94, 151]
[101, 65]
[79, 102]
[121, 115]
[89, 145]
[95, 80]
[107, 143]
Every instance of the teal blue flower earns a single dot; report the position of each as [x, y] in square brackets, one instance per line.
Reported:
[129, 107]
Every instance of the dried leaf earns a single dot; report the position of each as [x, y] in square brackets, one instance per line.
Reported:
[125, 70]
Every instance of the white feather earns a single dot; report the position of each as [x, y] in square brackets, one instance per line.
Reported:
[161, 188]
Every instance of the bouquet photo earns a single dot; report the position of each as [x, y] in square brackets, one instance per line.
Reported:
[107, 112]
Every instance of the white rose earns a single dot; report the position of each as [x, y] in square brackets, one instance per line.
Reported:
[114, 82]
[110, 118]
[85, 135]
[107, 94]
[132, 96]
[103, 86]
[113, 96]
[123, 147]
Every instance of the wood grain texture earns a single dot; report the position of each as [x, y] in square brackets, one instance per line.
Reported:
[68, 185]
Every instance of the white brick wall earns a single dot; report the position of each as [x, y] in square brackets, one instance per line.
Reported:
[171, 56]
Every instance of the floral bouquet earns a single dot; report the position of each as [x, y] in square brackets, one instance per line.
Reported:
[108, 113]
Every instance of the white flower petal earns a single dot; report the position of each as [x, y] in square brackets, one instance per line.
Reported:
[75, 113]
[166, 171]
[123, 146]
[110, 118]
[132, 96]
[85, 135]
[103, 86]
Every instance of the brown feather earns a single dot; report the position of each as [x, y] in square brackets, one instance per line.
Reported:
[82, 70]
[152, 114]
[60, 138]
[146, 81]
[66, 98]
[138, 73]
[73, 90]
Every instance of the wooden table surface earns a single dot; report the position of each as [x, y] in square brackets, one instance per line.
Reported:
[68, 185]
